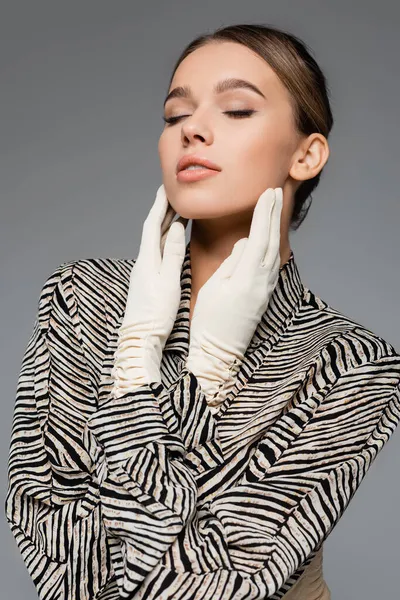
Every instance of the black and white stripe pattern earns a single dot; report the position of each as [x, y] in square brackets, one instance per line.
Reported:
[150, 495]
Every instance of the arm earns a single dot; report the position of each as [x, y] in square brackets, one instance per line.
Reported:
[52, 503]
[147, 493]
[305, 471]
[78, 509]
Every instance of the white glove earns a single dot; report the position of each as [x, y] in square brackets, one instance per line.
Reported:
[231, 303]
[153, 299]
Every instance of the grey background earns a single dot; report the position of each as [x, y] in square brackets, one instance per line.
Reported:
[82, 85]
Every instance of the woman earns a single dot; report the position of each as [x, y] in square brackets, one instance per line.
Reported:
[194, 423]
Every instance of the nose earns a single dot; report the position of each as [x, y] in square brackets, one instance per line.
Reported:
[194, 128]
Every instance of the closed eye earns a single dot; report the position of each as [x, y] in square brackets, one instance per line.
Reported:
[236, 114]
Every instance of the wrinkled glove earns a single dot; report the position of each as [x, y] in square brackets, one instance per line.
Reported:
[231, 303]
[153, 299]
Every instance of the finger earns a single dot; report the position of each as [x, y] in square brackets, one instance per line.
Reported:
[162, 242]
[276, 267]
[183, 220]
[164, 235]
[228, 266]
[274, 233]
[257, 245]
[150, 245]
[169, 217]
[174, 253]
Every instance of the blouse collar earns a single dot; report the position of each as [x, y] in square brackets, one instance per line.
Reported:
[284, 302]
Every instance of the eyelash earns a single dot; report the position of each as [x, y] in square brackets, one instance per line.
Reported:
[238, 114]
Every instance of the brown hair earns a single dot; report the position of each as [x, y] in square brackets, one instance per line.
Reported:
[291, 60]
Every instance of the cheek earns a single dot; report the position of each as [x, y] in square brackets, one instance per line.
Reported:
[162, 146]
[164, 151]
[266, 154]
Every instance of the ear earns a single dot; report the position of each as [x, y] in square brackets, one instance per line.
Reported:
[310, 157]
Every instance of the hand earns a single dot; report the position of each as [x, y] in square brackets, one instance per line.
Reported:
[153, 298]
[231, 303]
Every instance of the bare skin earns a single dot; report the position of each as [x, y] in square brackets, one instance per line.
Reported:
[255, 152]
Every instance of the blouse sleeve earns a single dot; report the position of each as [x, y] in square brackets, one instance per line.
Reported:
[147, 492]
[52, 503]
[304, 473]
[72, 503]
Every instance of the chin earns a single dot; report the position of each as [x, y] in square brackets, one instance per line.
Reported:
[196, 210]
[192, 203]
[199, 213]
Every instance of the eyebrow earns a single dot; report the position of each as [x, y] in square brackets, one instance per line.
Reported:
[231, 83]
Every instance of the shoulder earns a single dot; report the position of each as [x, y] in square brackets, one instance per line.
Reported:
[86, 283]
[80, 307]
[346, 343]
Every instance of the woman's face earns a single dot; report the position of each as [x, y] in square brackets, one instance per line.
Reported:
[254, 152]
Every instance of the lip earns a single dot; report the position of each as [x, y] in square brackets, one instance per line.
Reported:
[194, 159]
[195, 174]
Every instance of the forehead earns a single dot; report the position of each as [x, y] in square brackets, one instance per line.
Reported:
[215, 61]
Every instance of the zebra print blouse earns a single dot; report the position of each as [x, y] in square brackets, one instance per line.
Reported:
[150, 495]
